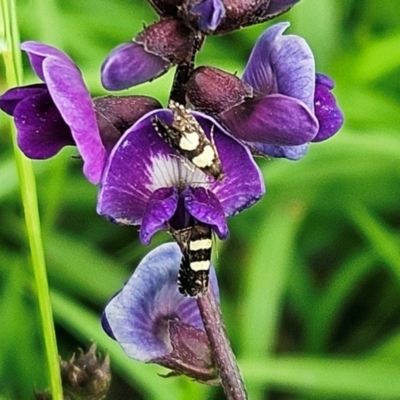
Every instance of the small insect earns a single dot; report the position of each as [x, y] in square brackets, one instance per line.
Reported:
[195, 243]
[187, 137]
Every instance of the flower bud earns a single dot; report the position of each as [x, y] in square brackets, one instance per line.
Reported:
[148, 56]
[169, 39]
[115, 114]
[241, 13]
[86, 376]
[213, 91]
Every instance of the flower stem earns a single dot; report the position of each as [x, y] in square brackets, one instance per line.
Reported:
[12, 60]
[228, 369]
[184, 71]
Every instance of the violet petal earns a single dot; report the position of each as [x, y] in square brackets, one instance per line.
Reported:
[274, 119]
[328, 113]
[282, 64]
[243, 183]
[71, 97]
[205, 206]
[138, 315]
[209, 14]
[279, 6]
[37, 53]
[142, 162]
[42, 132]
[160, 208]
[290, 152]
[136, 164]
[10, 99]
[129, 64]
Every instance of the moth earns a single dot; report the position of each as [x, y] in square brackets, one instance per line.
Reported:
[196, 244]
[186, 136]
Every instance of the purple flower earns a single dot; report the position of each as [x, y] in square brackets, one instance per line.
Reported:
[60, 112]
[148, 56]
[146, 182]
[158, 47]
[154, 323]
[57, 113]
[280, 105]
[240, 13]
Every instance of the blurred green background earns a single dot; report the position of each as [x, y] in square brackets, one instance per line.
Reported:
[310, 276]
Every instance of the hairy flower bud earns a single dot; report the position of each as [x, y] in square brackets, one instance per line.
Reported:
[213, 91]
[149, 55]
[169, 39]
[115, 114]
[86, 376]
[240, 13]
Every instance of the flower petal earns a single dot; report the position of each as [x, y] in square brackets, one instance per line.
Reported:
[282, 64]
[71, 97]
[243, 183]
[290, 152]
[10, 99]
[274, 119]
[129, 64]
[135, 169]
[276, 7]
[328, 113]
[42, 132]
[205, 206]
[37, 53]
[115, 114]
[138, 316]
[160, 208]
[209, 14]
[142, 162]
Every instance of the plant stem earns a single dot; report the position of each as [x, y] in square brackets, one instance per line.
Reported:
[13, 66]
[228, 369]
[184, 71]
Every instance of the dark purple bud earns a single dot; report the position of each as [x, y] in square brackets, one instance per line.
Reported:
[214, 91]
[240, 13]
[148, 56]
[116, 114]
[87, 376]
[169, 39]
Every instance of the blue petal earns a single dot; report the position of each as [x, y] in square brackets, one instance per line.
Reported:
[209, 13]
[290, 152]
[137, 316]
[282, 64]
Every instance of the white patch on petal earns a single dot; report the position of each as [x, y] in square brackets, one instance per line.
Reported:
[175, 170]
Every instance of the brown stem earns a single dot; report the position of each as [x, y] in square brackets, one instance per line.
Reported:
[184, 71]
[228, 369]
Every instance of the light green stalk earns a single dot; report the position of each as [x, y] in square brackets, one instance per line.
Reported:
[14, 75]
